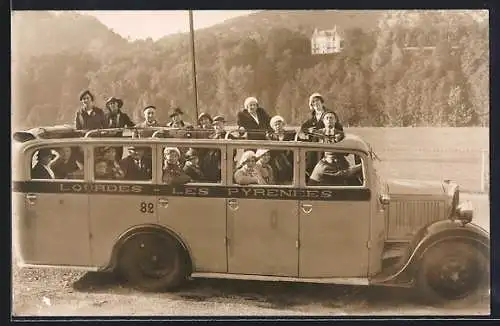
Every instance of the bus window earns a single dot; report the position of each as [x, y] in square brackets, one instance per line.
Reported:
[62, 162]
[136, 164]
[191, 165]
[335, 169]
[263, 166]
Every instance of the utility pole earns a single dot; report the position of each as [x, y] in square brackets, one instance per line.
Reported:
[195, 88]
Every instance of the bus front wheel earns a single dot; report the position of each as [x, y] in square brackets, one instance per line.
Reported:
[152, 262]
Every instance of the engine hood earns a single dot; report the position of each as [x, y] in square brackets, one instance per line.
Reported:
[416, 187]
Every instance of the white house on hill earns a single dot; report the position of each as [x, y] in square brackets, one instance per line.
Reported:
[326, 41]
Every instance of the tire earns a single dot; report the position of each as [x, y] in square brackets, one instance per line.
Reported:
[454, 273]
[152, 262]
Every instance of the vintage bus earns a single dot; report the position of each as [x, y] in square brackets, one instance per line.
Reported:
[363, 230]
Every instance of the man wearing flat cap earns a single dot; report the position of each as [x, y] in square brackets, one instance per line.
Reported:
[149, 113]
[42, 168]
[115, 117]
[88, 116]
[218, 128]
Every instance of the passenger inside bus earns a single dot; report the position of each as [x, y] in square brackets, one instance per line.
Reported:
[109, 155]
[192, 166]
[138, 164]
[68, 164]
[42, 168]
[334, 170]
[172, 172]
[263, 157]
[101, 171]
[247, 172]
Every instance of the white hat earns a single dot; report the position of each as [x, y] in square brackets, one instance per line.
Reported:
[249, 100]
[245, 157]
[261, 152]
[314, 95]
[171, 149]
[276, 118]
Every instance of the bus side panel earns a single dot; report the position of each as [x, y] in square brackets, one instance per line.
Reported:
[113, 214]
[22, 229]
[201, 224]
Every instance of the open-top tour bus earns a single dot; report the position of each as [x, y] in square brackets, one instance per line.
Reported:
[366, 232]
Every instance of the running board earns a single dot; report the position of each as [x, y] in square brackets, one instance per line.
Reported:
[329, 280]
[76, 268]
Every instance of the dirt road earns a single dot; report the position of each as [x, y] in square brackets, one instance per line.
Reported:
[38, 292]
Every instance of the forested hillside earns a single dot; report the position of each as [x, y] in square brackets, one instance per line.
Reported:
[396, 70]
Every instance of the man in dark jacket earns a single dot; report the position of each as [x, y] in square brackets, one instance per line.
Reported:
[115, 117]
[137, 165]
[42, 169]
[254, 119]
[89, 116]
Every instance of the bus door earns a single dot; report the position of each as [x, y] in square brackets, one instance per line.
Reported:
[335, 219]
[55, 229]
[262, 220]
[122, 195]
[192, 202]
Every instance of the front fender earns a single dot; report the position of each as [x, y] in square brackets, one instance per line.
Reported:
[430, 235]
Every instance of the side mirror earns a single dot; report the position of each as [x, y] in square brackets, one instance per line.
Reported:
[384, 199]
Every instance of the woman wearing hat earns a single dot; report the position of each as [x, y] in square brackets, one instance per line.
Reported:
[89, 116]
[278, 131]
[172, 172]
[192, 166]
[247, 172]
[176, 119]
[42, 169]
[254, 119]
[109, 155]
[115, 117]
[315, 122]
[263, 157]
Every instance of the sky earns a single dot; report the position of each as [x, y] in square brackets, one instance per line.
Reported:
[156, 24]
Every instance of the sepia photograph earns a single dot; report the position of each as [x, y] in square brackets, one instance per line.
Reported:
[250, 163]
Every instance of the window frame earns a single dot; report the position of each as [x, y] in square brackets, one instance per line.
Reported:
[29, 157]
[220, 147]
[305, 150]
[230, 170]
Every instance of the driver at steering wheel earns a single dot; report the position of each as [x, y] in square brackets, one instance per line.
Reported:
[334, 170]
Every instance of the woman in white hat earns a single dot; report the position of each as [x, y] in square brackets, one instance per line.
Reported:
[263, 157]
[247, 172]
[172, 172]
[278, 131]
[254, 119]
[318, 110]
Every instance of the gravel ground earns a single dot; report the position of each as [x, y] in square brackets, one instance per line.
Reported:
[60, 292]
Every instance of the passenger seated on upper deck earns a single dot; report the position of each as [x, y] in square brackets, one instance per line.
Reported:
[192, 166]
[42, 168]
[318, 110]
[172, 172]
[254, 119]
[218, 128]
[150, 120]
[137, 165]
[334, 170]
[241, 133]
[329, 134]
[101, 170]
[176, 119]
[66, 165]
[278, 131]
[247, 172]
[115, 117]
[109, 155]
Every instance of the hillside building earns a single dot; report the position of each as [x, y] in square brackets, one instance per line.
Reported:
[326, 41]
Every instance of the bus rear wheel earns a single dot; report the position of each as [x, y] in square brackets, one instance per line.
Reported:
[152, 262]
